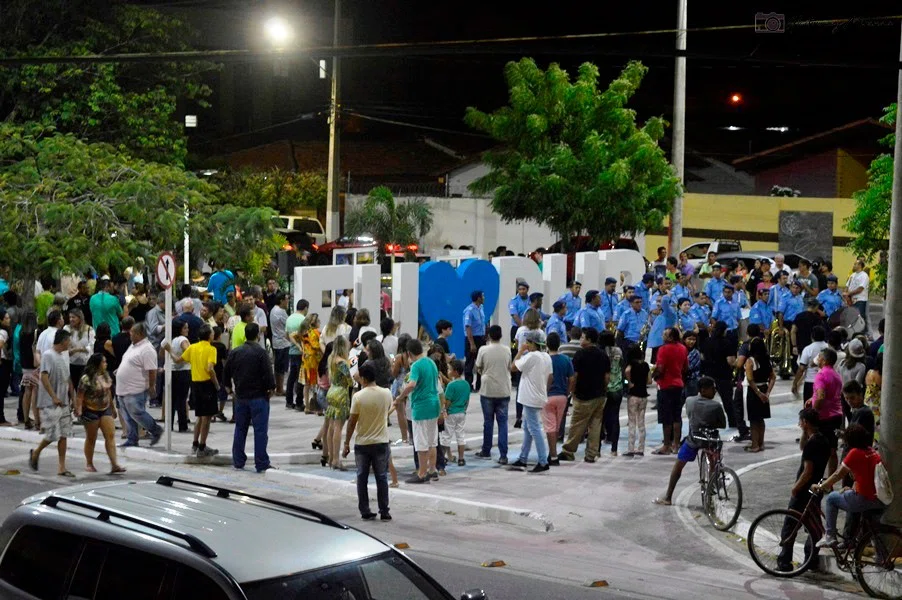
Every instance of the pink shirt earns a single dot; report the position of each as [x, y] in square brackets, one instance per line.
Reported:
[829, 380]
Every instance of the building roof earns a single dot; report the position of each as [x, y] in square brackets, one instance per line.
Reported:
[861, 134]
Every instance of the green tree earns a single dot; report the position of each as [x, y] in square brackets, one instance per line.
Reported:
[389, 221]
[283, 191]
[69, 205]
[571, 156]
[132, 105]
[869, 222]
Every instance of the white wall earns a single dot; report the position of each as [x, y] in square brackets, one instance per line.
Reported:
[460, 178]
[470, 221]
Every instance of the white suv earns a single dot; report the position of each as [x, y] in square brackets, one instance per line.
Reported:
[698, 252]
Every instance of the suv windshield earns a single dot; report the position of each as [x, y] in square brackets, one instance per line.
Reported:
[384, 577]
[308, 226]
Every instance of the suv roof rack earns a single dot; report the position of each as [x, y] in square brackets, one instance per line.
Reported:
[225, 493]
[104, 514]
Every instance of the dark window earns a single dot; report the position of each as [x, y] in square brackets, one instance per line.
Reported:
[38, 561]
[131, 574]
[793, 261]
[194, 585]
[728, 247]
[84, 582]
[308, 226]
[697, 251]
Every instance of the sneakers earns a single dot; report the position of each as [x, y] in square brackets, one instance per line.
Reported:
[207, 451]
[539, 469]
[828, 541]
[519, 463]
[155, 438]
[554, 462]
[368, 516]
[482, 454]
[461, 462]
[743, 438]
[433, 475]
[385, 517]
[502, 460]
[416, 479]
[566, 456]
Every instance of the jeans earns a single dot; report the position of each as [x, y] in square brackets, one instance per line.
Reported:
[6, 371]
[181, 386]
[611, 418]
[862, 307]
[470, 361]
[253, 411]
[135, 415]
[294, 372]
[785, 557]
[635, 411]
[494, 409]
[586, 416]
[532, 430]
[848, 501]
[377, 457]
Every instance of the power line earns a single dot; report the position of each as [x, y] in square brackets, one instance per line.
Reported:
[413, 125]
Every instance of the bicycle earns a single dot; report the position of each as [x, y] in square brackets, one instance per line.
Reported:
[720, 485]
[781, 542]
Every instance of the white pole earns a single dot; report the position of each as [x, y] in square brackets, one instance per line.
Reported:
[891, 403]
[167, 390]
[679, 132]
[187, 271]
[333, 183]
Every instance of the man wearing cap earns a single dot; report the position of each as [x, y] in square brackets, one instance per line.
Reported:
[474, 326]
[555, 323]
[761, 313]
[629, 328]
[573, 302]
[518, 306]
[727, 311]
[589, 315]
[714, 287]
[535, 367]
[830, 298]
[608, 300]
[535, 301]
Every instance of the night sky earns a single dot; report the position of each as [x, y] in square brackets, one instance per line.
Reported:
[782, 77]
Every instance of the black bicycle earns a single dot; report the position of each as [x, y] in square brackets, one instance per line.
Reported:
[720, 485]
[781, 543]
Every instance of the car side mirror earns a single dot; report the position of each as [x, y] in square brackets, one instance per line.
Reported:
[473, 595]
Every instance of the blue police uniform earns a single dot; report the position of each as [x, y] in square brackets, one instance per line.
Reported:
[474, 316]
[518, 306]
[778, 294]
[714, 289]
[792, 307]
[666, 319]
[761, 314]
[622, 307]
[589, 316]
[680, 291]
[631, 324]
[556, 324]
[687, 321]
[574, 303]
[644, 293]
[728, 312]
[608, 305]
[830, 300]
[701, 313]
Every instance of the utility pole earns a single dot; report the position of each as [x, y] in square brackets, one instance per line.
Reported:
[891, 394]
[675, 238]
[334, 183]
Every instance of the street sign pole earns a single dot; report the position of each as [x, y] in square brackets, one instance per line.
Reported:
[166, 277]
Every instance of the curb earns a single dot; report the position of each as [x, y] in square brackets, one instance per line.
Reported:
[467, 509]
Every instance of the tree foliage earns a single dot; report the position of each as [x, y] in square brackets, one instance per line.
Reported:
[69, 205]
[870, 221]
[389, 221]
[131, 105]
[571, 155]
[283, 191]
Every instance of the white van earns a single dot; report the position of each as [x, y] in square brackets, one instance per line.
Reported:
[301, 224]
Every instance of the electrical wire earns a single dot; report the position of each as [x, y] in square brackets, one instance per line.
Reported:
[413, 125]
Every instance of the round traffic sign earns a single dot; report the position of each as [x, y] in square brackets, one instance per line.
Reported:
[166, 269]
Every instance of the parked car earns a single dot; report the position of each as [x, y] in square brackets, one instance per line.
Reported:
[323, 255]
[302, 225]
[698, 252]
[749, 258]
[175, 539]
[585, 243]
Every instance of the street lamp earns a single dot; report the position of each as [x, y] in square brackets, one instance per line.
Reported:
[278, 31]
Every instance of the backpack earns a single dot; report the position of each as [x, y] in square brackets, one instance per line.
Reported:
[616, 382]
[882, 484]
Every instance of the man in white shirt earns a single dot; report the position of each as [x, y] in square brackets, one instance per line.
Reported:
[136, 380]
[45, 340]
[493, 363]
[808, 368]
[857, 290]
[535, 365]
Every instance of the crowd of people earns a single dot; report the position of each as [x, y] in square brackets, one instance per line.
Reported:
[98, 356]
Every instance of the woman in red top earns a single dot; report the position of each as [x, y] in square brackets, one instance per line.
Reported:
[861, 461]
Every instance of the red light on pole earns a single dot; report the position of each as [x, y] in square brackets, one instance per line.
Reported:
[735, 99]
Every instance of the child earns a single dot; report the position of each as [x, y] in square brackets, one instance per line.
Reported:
[638, 373]
[444, 329]
[313, 352]
[222, 353]
[457, 398]
[694, 359]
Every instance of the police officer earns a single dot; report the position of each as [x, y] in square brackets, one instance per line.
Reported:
[474, 326]
[729, 312]
[632, 321]
[535, 301]
[609, 300]
[643, 290]
[715, 286]
[830, 298]
[555, 323]
[518, 305]
[573, 303]
[590, 315]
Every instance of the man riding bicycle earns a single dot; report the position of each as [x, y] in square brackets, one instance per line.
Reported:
[705, 413]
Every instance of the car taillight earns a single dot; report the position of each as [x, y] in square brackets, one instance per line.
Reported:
[315, 246]
[413, 247]
[288, 247]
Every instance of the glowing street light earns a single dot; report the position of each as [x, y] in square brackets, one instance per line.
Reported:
[278, 31]
[735, 99]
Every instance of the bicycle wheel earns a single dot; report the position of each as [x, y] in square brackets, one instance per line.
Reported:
[878, 563]
[703, 471]
[780, 543]
[723, 498]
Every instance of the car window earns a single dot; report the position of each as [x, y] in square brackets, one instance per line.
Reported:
[90, 563]
[394, 579]
[793, 261]
[194, 585]
[728, 247]
[697, 251]
[280, 222]
[131, 574]
[308, 226]
[38, 561]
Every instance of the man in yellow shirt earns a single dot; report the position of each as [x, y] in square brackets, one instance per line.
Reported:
[204, 388]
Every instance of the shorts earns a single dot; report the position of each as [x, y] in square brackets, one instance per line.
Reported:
[31, 378]
[56, 423]
[454, 434]
[553, 413]
[280, 360]
[828, 428]
[670, 407]
[425, 434]
[687, 453]
[206, 401]
[94, 416]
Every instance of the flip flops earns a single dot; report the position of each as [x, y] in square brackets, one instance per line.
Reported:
[32, 460]
[662, 502]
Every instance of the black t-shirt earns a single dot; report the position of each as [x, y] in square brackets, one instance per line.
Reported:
[591, 365]
[26, 350]
[639, 379]
[440, 341]
[864, 416]
[716, 350]
[121, 342]
[817, 450]
[805, 322]
[81, 303]
[139, 312]
[222, 353]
